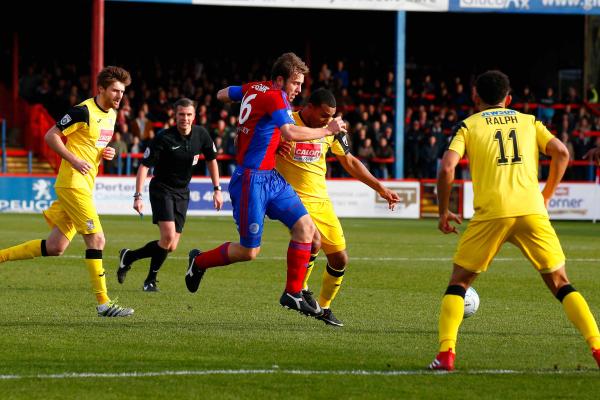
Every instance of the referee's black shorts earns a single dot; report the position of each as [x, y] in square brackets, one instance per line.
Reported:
[169, 204]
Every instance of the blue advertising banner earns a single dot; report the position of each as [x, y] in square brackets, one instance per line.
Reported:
[590, 7]
[26, 194]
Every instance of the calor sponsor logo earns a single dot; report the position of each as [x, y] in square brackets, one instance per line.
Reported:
[307, 152]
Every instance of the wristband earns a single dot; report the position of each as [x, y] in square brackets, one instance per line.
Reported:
[137, 195]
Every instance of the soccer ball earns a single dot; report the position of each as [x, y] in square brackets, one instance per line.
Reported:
[471, 302]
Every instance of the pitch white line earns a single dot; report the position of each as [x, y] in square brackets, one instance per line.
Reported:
[83, 375]
[375, 259]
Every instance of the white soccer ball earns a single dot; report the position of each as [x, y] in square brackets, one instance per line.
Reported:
[471, 302]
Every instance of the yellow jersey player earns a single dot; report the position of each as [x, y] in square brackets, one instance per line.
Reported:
[503, 147]
[303, 165]
[89, 128]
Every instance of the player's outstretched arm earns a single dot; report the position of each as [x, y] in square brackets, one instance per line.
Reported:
[54, 141]
[223, 95]
[357, 170]
[444, 186]
[230, 94]
[560, 160]
[303, 133]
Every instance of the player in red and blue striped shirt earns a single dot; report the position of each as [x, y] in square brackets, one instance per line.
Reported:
[257, 189]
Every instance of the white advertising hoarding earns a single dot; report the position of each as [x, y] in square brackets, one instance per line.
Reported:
[371, 5]
[571, 201]
[350, 198]
[114, 195]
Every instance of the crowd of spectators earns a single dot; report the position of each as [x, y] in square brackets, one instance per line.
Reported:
[435, 107]
[365, 98]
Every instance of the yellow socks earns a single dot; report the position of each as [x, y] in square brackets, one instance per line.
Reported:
[93, 261]
[23, 251]
[579, 314]
[332, 279]
[451, 316]
[311, 264]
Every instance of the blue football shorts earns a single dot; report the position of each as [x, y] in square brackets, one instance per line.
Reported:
[256, 193]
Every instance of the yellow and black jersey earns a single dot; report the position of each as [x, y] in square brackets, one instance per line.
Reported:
[503, 148]
[305, 167]
[88, 129]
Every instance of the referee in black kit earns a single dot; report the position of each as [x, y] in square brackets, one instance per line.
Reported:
[173, 153]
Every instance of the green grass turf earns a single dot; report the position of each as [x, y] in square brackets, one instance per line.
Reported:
[389, 302]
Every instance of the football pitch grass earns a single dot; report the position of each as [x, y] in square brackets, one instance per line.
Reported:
[232, 339]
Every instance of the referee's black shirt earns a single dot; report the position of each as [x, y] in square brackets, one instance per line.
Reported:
[174, 156]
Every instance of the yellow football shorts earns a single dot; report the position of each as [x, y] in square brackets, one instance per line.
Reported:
[73, 212]
[533, 234]
[328, 224]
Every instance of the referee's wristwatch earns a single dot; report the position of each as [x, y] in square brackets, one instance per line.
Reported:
[218, 187]
[137, 195]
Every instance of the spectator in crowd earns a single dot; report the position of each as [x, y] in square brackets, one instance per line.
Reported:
[428, 158]
[126, 135]
[360, 135]
[136, 148]
[366, 152]
[413, 138]
[546, 110]
[460, 100]
[112, 166]
[159, 107]
[150, 137]
[383, 151]
[428, 87]
[581, 145]
[388, 134]
[341, 76]
[526, 96]
[29, 83]
[565, 138]
[221, 130]
[141, 126]
[324, 76]
[572, 97]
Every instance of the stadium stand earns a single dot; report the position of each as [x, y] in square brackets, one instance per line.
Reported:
[365, 98]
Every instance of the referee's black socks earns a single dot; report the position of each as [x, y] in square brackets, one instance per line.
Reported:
[158, 258]
[150, 249]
